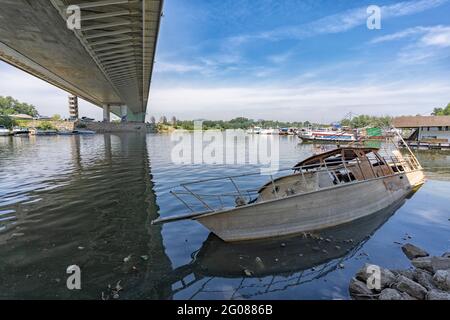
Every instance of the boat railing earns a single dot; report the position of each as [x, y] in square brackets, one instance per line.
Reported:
[210, 202]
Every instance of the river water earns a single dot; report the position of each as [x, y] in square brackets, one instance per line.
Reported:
[89, 201]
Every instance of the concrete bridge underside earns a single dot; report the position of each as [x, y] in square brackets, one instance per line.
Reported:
[108, 62]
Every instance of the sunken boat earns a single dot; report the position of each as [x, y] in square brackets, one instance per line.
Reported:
[322, 191]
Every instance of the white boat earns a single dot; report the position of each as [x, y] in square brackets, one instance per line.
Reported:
[254, 130]
[269, 131]
[326, 136]
[325, 190]
[4, 131]
[20, 131]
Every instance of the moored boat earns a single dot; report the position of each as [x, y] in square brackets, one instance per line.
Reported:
[46, 132]
[254, 130]
[324, 190]
[20, 131]
[269, 131]
[4, 131]
[83, 131]
[326, 136]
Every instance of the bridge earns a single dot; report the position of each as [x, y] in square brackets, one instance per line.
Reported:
[107, 59]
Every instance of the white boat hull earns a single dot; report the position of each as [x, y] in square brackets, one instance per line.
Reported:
[313, 210]
[5, 133]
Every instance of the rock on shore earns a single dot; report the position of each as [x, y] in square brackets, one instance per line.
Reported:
[428, 280]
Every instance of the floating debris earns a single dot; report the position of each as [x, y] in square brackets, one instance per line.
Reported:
[118, 288]
[283, 244]
[126, 259]
[144, 257]
[248, 273]
[259, 263]
[80, 248]
[17, 234]
[341, 266]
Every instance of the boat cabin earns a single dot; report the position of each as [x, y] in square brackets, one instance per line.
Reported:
[335, 167]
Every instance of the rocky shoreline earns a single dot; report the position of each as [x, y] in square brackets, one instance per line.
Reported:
[429, 279]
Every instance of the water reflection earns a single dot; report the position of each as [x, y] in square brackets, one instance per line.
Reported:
[435, 162]
[92, 207]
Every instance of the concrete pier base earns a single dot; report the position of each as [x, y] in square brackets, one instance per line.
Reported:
[106, 113]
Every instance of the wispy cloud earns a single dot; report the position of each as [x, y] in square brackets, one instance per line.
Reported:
[280, 57]
[336, 23]
[169, 67]
[439, 37]
[430, 36]
[425, 43]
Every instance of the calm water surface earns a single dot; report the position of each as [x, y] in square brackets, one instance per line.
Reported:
[89, 201]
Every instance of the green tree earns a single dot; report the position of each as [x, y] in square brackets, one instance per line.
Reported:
[442, 111]
[56, 117]
[9, 105]
[8, 122]
[363, 120]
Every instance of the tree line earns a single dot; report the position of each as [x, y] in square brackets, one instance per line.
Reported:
[9, 105]
[245, 123]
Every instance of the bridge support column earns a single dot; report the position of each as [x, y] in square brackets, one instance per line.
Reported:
[106, 113]
[124, 113]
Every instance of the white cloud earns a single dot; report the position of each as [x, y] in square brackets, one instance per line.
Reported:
[177, 67]
[399, 35]
[426, 43]
[429, 36]
[48, 99]
[316, 103]
[280, 58]
[439, 37]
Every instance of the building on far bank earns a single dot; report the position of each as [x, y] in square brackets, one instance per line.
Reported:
[429, 129]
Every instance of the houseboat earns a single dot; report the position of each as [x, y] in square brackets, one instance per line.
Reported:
[425, 132]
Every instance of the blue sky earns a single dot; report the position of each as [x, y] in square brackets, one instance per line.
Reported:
[289, 60]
